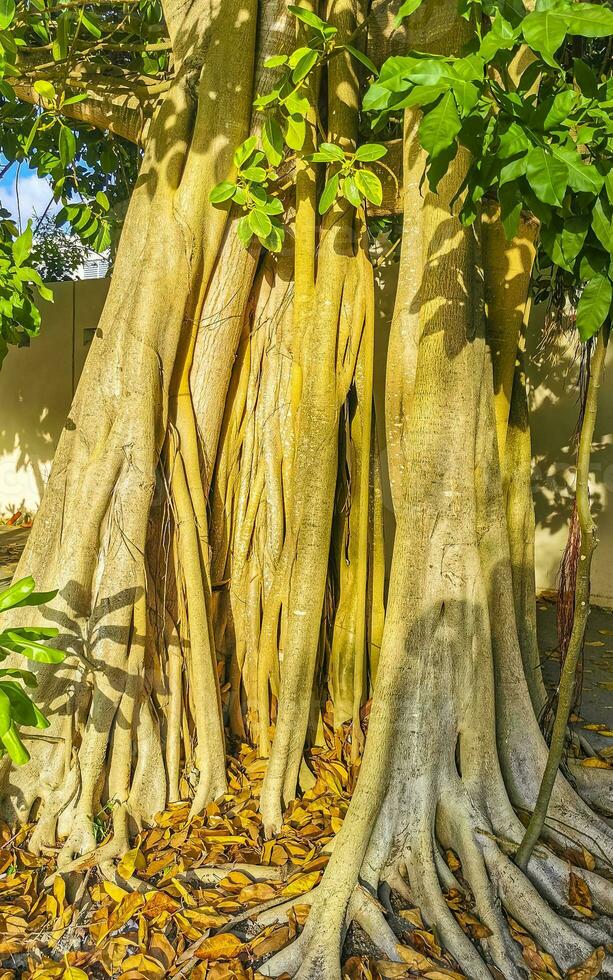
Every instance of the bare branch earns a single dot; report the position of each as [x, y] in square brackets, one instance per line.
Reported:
[124, 115]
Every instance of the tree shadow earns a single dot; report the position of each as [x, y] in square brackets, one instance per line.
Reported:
[554, 411]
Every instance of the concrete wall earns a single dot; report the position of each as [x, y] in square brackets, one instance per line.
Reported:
[554, 410]
[37, 385]
[36, 388]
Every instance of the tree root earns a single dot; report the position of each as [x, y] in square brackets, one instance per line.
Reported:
[538, 902]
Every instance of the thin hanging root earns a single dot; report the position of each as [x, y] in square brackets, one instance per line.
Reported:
[203, 675]
[175, 708]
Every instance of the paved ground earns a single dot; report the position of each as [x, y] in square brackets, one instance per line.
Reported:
[597, 697]
[12, 542]
[597, 702]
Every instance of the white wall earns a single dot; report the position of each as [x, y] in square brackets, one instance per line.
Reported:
[36, 388]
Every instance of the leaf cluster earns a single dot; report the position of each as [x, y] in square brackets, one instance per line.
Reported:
[19, 283]
[16, 707]
[542, 142]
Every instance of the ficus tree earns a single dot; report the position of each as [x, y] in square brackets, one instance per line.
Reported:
[213, 519]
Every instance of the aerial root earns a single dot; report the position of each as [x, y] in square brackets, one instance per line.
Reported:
[81, 852]
[572, 822]
[369, 915]
[500, 945]
[213, 874]
[44, 834]
[594, 785]
[539, 902]
[550, 931]
[315, 956]
[551, 875]
[428, 896]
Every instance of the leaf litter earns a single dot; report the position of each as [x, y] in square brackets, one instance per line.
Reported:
[203, 885]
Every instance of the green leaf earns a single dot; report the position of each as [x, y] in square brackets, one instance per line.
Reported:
[103, 200]
[428, 71]
[32, 134]
[369, 185]
[67, 145]
[585, 78]
[6, 717]
[547, 176]
[594, 262]
[274, 240]
[244, 151]
[544, 33]
[15, 747]
[362, 58]
[602, 223]
[275, 61]
[307, 17]
[512, 141]
[512, 170]
[90, 22]
[295, 132]
[588, 19]
[255, 174]
[370, 151]
[296, 104]
[406, 9]
[511, 206]
[351, 192]
[37, 598]
[260, 223]
[59, 48]
[222, 192]
[553, 111]
[273, 206]
[545, 30]
[22, 246]
[45, 89]
[440, 126]
[328, 195]
[16, 593]
[328, 153]
[594, 306]
[24, 675]
[35, 651]
[564, 240]
[244, 231]
[7, 12]
[581, 176]
[501, 36]
[23, 710]
[272, 142]
[304, 66]
[608, 183]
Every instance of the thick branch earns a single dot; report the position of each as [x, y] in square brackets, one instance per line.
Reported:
[123, 115]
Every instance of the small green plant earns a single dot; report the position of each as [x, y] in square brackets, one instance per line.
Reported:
[352, 181]
[250, 191]
[287, 106]
[16, 706]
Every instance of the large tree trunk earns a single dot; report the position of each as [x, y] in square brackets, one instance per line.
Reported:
[133, 399]
[453, 741]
